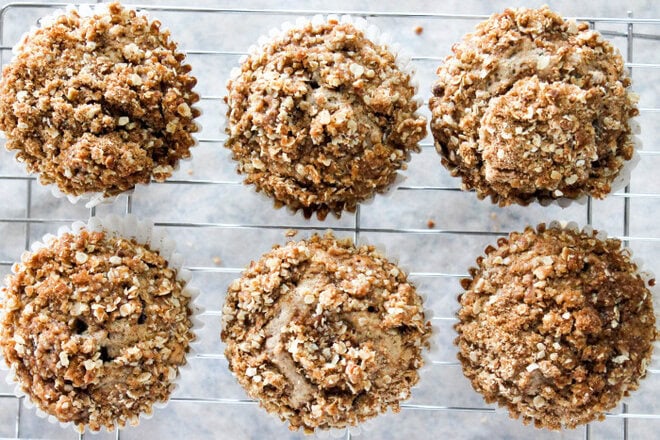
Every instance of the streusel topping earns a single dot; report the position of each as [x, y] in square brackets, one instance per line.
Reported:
[321, 118]
[95, 328]
[555, 325]
[324, 334]
[98, 103]
[530, 106]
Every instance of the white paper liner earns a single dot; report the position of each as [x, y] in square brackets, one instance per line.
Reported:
[646, 275]
[144, 233]
[92, 199]
[402, 60]
[292, 213]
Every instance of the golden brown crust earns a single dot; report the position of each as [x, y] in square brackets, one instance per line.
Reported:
[530, 106]
[98, 104]
[95, 328]
[556, 325]
[324, 334]
[321, 118]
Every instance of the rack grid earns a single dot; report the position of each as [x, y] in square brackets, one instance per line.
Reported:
[184, 205]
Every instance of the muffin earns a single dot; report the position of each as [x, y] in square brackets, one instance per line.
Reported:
[320, 117]
[532, 107]
[98, 103]
[324, 334]
[556, 325]
[95, 327]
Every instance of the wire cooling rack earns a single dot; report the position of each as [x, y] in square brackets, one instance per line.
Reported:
[434, 229]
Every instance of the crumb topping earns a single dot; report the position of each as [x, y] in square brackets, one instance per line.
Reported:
[322, 118]
[530, 106]
[325, 334]
[95, 328]
[99, 103]
[555, 325]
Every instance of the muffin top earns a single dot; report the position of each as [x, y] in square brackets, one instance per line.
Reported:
[530, 106]
[556, 325]
[98, 103]
[95, 328]
[324, 334]
[321, 118]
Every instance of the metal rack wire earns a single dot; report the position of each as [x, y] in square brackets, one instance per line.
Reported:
[624, 29]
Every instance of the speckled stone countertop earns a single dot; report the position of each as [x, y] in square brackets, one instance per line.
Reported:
[220, 225]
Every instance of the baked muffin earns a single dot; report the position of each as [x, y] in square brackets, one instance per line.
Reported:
[95, 328]
[320, 118]
[530, 106]
[98, 103]
[556, 325]
[324, 334]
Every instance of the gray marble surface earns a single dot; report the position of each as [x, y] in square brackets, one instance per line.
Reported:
[203, 219]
